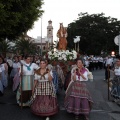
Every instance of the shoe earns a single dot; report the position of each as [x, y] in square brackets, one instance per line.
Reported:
[47, 118]
[1, 94]
[118, 103]
[76, 117]
[110, 89]
[115, 100]
[106, 80]
[86, 118]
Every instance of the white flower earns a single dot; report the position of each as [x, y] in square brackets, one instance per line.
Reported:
[59, 58]
[57, 50]
[59, 54]
[74, 52]
[65, 59]
[67, 51]
[74, 56]
[63, 55]
[70, 57]
[49, 57]
[56, 55]
[50, 53]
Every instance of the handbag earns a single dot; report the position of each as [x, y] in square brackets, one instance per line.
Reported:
[90, 75]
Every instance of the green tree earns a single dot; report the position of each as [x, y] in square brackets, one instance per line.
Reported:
[97, 33]
[18, 16]
[4, 47]
[25, 46]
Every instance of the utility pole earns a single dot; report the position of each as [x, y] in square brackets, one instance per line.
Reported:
[41, 35]
[119, 43]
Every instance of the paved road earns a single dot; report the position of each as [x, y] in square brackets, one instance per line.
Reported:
[102, 108]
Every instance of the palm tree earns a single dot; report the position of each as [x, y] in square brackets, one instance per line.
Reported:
[25, 46]
[4, 47]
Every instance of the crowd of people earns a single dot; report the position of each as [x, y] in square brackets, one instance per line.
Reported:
[110, 65]
[37, 82]
[95, 62]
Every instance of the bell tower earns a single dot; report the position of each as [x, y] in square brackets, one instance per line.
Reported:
[50, 32]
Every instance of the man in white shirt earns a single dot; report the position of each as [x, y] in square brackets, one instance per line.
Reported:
[100, 62]
[108, 65]
[87, 62]
[10, 62]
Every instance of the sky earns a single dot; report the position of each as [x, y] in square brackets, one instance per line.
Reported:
[66, 11]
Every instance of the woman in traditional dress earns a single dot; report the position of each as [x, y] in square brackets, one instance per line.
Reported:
[1, 86]
[78, 100]
[44, 101]
[16, 65]
[15, 73]
[68, 76]
[27, 80]
[55, 75]
[4, 74]
[115, 91]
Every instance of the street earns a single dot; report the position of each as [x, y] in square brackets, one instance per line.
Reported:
[103, 109]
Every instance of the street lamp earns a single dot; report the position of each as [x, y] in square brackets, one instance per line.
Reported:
[113, 53]
[75, 41]
[78, 40]
[41, 35]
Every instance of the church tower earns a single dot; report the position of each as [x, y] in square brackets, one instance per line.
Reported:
[50, 32]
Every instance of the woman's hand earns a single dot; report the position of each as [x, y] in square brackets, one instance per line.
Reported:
[33, 91]
[74, 75]
[21, 73]
[0, 76]
[49, 76]
[81, 74]
[35, 83]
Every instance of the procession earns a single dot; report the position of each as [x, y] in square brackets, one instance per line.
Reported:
[72, 74]
[37, 84]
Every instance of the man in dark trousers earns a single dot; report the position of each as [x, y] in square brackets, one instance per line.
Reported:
[108, 65]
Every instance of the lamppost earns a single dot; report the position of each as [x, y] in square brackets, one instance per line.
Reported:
[75, 41]
[41, 35]
[119, 42]
[78, 40]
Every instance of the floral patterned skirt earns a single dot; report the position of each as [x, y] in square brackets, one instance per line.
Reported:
[44, 105]
[78, 99]
[4, 79]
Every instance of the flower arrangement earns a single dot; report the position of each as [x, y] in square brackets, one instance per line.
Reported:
[62, 55]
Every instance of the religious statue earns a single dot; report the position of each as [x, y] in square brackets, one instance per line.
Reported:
[62, 34]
